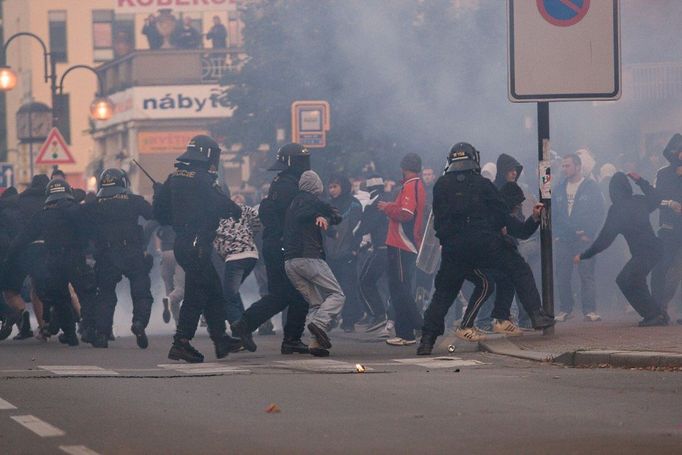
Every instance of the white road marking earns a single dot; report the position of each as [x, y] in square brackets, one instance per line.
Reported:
[78, 450]
[320, 365]
[39, 427]
[204, 368]
[439, 362]
[6, 405]
[78, 370]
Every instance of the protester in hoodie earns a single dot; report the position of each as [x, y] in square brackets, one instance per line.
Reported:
[667, 275]
[342, 247]
[305, 264]
[629, 216]
[374, 223]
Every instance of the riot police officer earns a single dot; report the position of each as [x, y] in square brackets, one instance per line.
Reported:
[120, 251]
[60, 226]
[469, 215]
[191, 201]
[292, 160]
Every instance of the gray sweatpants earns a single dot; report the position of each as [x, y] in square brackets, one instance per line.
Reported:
[317, 284]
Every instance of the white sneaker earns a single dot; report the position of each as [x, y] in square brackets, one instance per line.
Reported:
[592, 317]
[387, 331]
[470, 334]
[562, 316]
[397, 341]
[506, 327]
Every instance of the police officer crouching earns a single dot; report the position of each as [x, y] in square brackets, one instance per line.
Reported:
[60, 226]
[120, 251]
[191, 201]
[469, 215]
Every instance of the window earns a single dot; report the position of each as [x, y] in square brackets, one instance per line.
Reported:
[57, 26]
[112, 36]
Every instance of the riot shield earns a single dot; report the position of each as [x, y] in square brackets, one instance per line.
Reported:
[428, 258]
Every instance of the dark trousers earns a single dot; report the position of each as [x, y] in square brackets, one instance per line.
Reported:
[203, 291]
[234, 275]
[632, 283]
[484, 287]
[52, 277]
[281, 294]
[565, 252]
[667, 273]
[346, 272]
[460, 258]
[372, 271]
[111, 265]
[401, 267]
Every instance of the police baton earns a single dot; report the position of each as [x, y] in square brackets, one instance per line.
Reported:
[145, 172]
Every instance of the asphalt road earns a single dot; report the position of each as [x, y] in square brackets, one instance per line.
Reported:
[124, 400]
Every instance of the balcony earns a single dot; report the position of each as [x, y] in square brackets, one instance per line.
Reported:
[168, 67]
[653, 81]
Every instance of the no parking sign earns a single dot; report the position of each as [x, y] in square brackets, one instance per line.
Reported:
[564, 50]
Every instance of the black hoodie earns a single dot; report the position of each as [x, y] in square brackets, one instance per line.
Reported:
[506, 163]
[669, 184]
[629, 216]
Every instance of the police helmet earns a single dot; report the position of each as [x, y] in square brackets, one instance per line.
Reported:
[202, 149]
[292, 155]
[58, 189]
[112, 182]
[463, 157]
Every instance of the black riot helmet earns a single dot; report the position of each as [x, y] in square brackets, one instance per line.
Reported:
[112, 182]
[463, 157]
[292, 155]
[57, 189]
[202, 149]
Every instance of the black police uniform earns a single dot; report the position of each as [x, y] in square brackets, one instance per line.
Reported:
[192, 202]
[60, 226]
[120, 251]
[281, 293]
[469, 214]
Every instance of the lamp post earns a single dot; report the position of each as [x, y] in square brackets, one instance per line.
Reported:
[100, 109]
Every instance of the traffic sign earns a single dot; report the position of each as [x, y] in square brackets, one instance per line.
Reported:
[54, 150]
[564, 50]
[563, 13]
[6, 175]
[310, 123]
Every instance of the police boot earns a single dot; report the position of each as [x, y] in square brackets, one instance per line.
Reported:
[69, 338]
[100, 340]
[541, 320]
[225, 344]
[88, 335]
[182, 350]
[24, 325]
[426, 343]
[53, 323]
[141, 337]
[241, 330]
[289, 346]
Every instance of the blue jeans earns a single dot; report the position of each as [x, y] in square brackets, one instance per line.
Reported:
[234, 275]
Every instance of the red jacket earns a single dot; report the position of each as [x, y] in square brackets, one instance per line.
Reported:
[406, 216]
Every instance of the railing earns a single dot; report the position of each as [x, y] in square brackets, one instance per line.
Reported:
[168, 67]
[653, 81]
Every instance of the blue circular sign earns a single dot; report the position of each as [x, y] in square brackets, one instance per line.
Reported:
[563, 13]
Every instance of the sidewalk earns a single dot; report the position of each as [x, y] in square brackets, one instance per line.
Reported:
[615, 341]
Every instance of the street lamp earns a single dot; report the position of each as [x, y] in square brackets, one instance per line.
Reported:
[101, 108]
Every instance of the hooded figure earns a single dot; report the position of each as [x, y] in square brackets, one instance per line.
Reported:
[667, 275]
[629, 216]
[506, 164]
[489, 170]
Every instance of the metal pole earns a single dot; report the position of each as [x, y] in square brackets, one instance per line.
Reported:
[30, 139]
[546, 223]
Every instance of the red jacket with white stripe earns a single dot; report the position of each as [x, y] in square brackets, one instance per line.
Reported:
[406, 216]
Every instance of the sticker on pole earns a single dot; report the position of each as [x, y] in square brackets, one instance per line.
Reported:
[564, 50]
[563, 13]
[545, 173]
[54, 150]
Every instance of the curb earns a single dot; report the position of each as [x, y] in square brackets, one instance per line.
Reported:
[587, 358]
